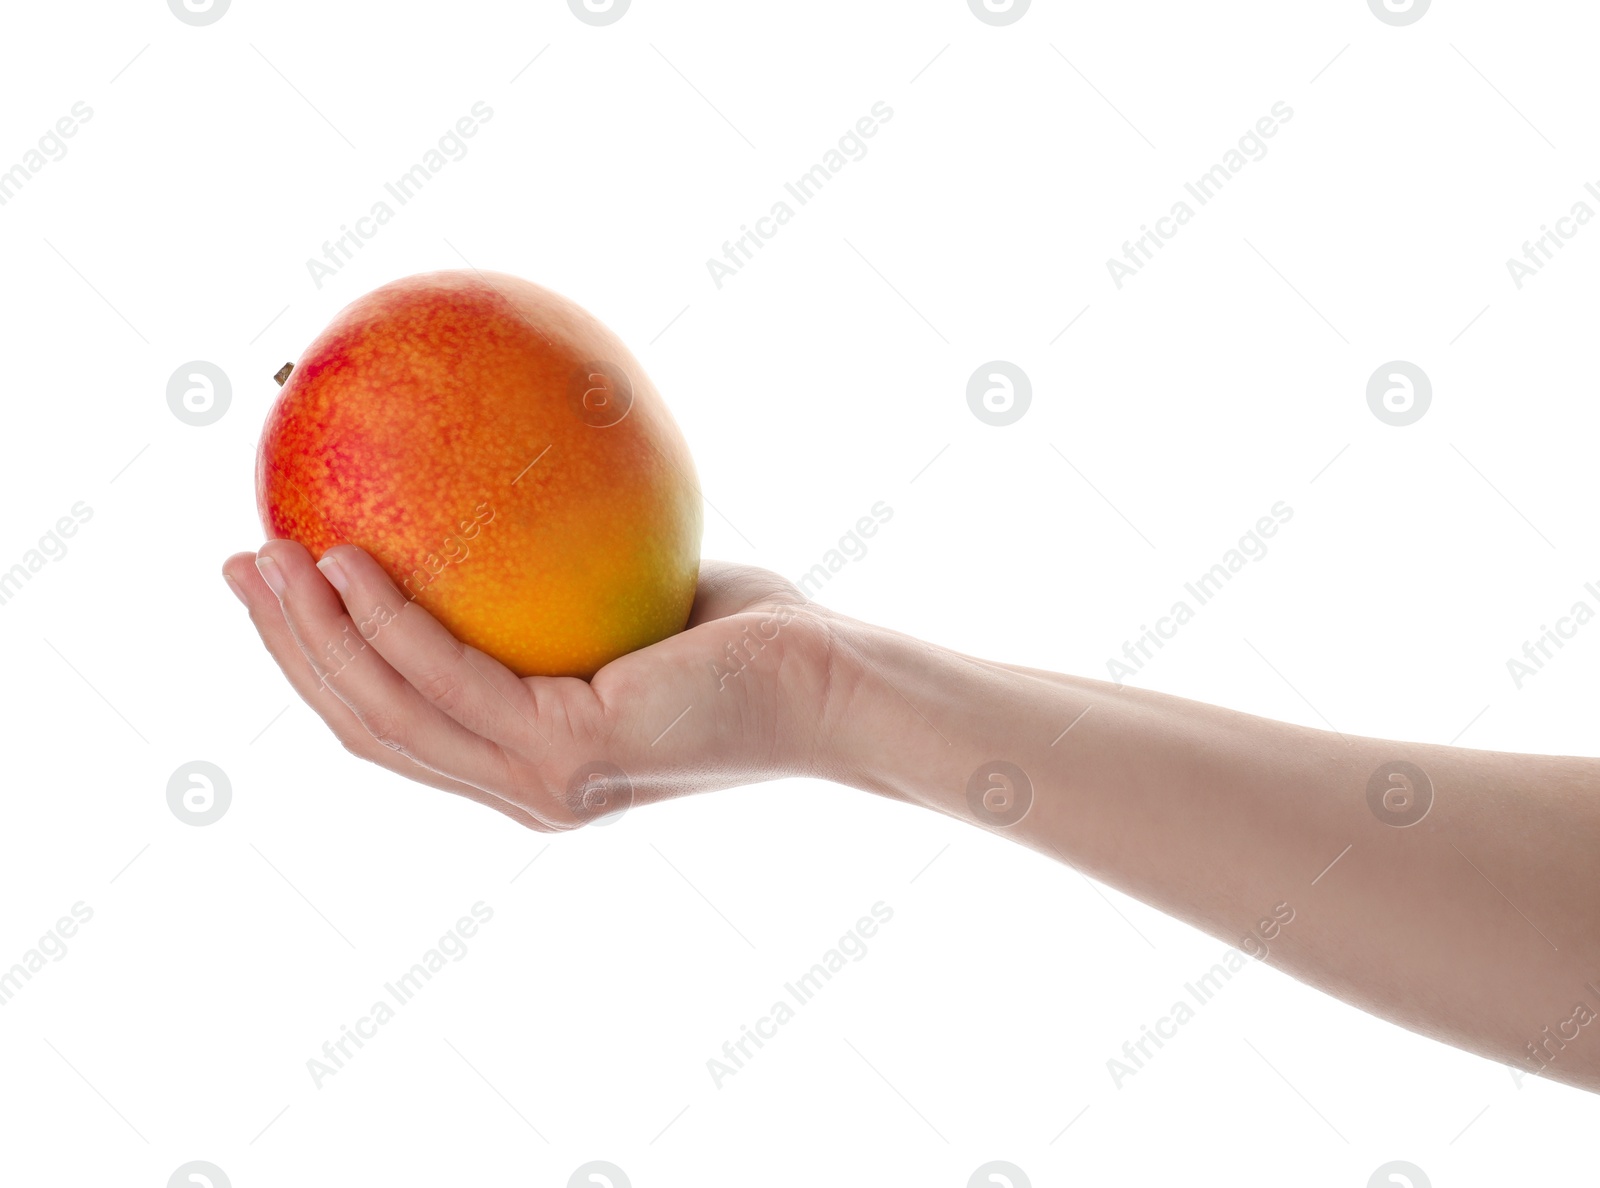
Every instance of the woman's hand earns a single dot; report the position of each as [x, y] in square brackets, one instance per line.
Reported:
[740, 696]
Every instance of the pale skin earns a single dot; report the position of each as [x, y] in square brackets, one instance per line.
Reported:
[1478, 924]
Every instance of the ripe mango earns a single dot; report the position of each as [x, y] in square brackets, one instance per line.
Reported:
[503, 456]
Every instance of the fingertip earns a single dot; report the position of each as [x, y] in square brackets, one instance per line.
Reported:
[281, 549]
[348, 555]
[339, 555]
[236, 566]
[360, 569]
[249, 585]
[240, 573]
[329, 566]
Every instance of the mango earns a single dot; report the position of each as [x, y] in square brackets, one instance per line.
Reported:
[503, 456]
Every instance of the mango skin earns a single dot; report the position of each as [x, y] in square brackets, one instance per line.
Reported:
[455, 426]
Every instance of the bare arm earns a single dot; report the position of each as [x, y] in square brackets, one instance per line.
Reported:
[1455, 892]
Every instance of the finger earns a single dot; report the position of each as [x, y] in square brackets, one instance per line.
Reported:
[468, 685]
[266, 614]
[388, 706]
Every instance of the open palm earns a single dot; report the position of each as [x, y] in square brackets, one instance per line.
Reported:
[733, 699]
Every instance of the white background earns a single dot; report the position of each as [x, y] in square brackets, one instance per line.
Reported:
[829, 374]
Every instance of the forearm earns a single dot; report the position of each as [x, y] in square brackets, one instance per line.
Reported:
[1478, 924]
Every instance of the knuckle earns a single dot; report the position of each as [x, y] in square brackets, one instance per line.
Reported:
[388, 729]
[442, 687]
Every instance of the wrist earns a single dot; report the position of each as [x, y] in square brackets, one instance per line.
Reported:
[910, 720]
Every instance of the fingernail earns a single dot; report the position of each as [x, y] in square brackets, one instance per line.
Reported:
[271, 574]
[333, 571]
[238, 592]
